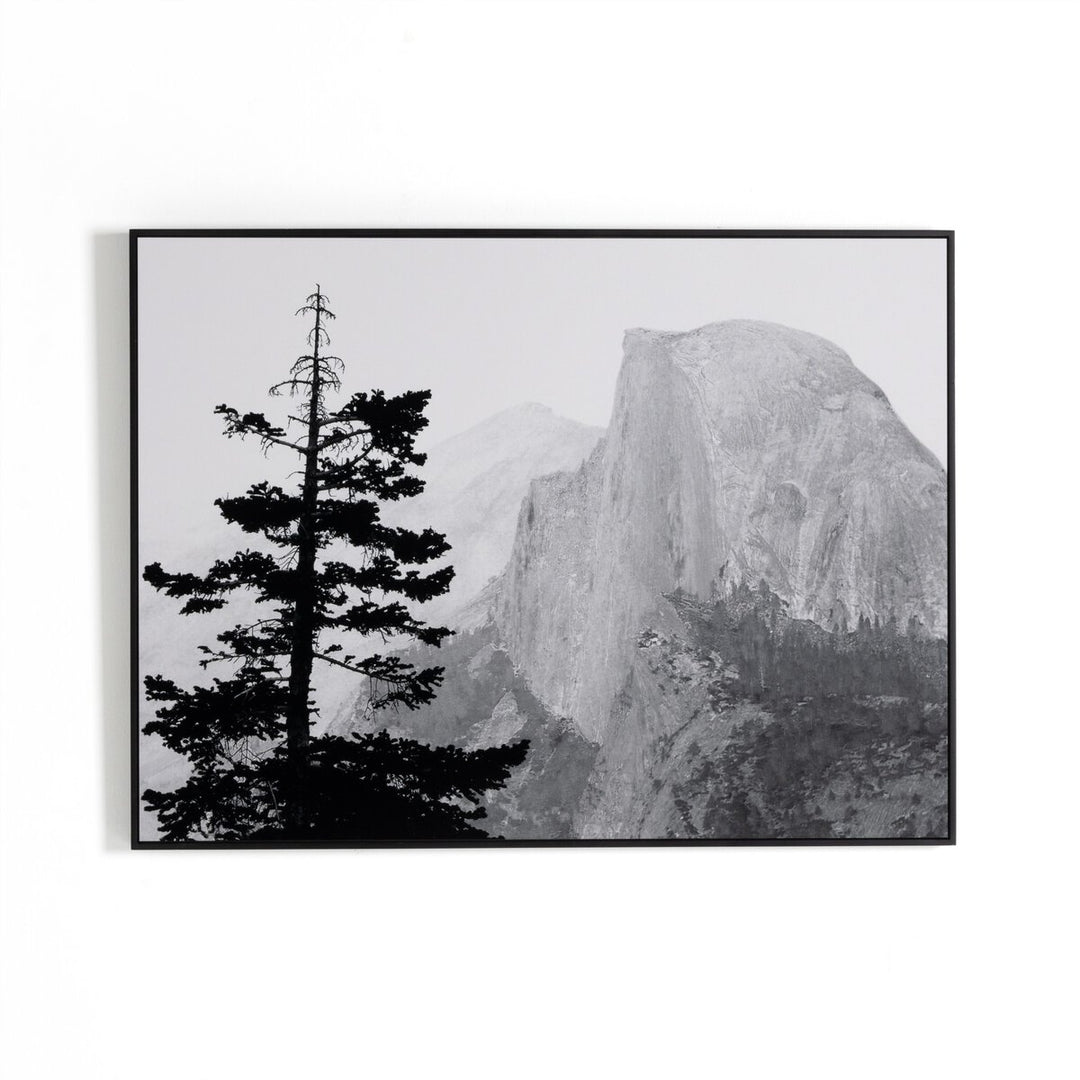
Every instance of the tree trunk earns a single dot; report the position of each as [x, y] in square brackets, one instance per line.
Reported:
[297, 720]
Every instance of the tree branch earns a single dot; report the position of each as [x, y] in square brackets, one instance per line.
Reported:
[339, 663]
[242, 429]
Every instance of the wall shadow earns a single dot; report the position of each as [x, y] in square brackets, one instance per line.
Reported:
[112, 415]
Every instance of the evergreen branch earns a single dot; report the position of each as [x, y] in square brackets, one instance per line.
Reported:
[342, 436]
[265, 508]
[244, 569]
[254, 424]
[292, 384]
[339, 663]
[318, 305]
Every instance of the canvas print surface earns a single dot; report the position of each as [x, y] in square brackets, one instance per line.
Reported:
[541, 538]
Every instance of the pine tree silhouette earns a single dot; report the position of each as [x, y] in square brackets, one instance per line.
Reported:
[257, 770]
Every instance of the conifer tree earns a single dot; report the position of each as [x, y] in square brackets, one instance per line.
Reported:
[257, 772]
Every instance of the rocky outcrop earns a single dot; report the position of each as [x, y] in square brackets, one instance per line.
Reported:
[474, 484]
[742, 450]
[737, 721]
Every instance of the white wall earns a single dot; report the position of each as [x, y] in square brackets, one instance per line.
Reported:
[760, 962]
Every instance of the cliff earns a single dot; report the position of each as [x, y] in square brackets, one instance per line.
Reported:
[474, 484]
[740, 451]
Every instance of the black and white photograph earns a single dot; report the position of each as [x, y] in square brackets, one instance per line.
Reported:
[536, 539]
[561, 538]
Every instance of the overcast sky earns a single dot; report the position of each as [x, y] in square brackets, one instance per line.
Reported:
[487, 324]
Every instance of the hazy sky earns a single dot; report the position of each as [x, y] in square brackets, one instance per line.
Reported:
[487, 324]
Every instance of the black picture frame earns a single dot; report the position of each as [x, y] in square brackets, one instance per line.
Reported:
[138, 234]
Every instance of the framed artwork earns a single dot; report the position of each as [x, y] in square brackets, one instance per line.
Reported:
[528, 537]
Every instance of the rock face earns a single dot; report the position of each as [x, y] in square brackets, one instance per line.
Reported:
[728, 621]
[739, 451]
[475, 482]
[737, 721]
